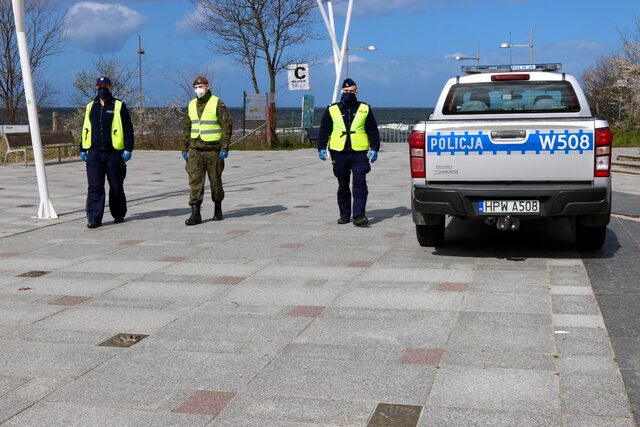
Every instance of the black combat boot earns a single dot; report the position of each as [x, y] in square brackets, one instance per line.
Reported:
[217, 213]
[195, 217]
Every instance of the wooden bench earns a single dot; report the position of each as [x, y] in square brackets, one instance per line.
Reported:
[21, 142]
[312, 134]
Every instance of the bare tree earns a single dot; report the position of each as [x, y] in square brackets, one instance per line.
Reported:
[119, 74]
[45, 38]
[258, 30]
[184, 80]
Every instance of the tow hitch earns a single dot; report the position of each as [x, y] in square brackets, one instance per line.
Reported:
[507, 223]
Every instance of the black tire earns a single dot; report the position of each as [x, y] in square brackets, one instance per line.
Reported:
[590, 238]
[431, 235]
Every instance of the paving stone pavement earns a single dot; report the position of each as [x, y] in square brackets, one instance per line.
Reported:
[277, 316]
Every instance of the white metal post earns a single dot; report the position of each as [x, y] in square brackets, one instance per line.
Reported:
[45, 209]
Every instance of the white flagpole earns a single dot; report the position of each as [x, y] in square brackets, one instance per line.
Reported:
[45, 209]
[345, 36]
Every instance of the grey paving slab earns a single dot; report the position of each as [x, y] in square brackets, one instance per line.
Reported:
[257, 410]
[63, 414]
[451, 416]
[496, 389]
[307, 321]
[342, 380]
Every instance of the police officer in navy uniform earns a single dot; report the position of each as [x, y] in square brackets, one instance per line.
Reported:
[351, 132]
[106, 146]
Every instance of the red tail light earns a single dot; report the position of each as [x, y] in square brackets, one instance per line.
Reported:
[416, 154]
[604, 140]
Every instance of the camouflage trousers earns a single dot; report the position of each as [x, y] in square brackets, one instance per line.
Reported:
[203, 163]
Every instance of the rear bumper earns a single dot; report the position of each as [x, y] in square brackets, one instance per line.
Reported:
[556, 200]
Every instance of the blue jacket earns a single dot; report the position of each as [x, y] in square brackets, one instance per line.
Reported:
[348, 112]
[101, 118]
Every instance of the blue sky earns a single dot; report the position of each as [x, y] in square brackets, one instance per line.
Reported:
[416, 42]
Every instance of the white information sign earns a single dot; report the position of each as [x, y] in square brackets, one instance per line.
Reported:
[255, 106]
[299, 77]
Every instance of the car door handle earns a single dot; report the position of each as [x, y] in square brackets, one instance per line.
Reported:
[508, 134]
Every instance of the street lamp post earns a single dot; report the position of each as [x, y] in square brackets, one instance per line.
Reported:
[346, 53]
[510, 45]
[475, 58]
[140, 53]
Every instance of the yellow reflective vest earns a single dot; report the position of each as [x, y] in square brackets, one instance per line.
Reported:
[117, 131]
[206, 127]
[359, 138]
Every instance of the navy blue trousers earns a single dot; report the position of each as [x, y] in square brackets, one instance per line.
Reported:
[345, 165]
[111, 165]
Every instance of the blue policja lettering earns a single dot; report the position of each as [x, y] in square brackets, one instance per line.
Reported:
[455, 143]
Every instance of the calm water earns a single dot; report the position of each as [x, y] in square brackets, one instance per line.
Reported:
[285, 116]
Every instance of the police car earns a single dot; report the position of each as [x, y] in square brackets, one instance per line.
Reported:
[507, 143]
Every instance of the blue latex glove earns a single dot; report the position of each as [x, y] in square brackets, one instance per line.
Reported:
[126, 156]
[83, 156]
[185, 156]
[373, 155]
[322, 154]
[224, 155]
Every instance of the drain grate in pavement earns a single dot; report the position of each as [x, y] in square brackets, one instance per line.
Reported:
[396, 415]
[123, 340]
[33, 273]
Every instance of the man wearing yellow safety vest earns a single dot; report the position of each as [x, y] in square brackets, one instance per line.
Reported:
[207, 134]
[106, 146]
[351, 131]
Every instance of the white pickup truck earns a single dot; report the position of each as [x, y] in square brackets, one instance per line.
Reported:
[507, 143]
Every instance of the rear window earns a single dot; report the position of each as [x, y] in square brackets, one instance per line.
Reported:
[511, 97]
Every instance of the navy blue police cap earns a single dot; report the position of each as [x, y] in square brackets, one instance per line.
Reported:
[348, 83]
[103, 81]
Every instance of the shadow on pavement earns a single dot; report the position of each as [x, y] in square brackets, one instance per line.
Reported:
[257, 210]
[538, 238]
[378, 215]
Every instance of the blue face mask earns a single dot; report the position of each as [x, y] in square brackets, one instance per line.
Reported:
[104, 93]
[348, 98]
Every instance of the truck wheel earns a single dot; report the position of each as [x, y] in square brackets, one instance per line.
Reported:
[590, 238]
[431, 235]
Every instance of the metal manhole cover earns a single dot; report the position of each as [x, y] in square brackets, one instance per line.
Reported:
[123, 340]
[34, 273]
[395, 415]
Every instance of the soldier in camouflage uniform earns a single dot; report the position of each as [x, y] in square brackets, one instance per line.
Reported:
[207, 134]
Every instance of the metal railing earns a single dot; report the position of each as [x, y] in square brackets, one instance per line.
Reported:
[394, 132]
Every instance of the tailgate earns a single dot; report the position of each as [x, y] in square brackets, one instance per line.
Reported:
[510, 150]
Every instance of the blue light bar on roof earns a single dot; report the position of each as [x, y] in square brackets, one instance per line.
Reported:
[475, 69]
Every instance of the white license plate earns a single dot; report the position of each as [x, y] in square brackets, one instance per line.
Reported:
[486, 207]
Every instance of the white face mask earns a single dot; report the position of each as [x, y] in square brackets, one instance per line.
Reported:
[200, 91]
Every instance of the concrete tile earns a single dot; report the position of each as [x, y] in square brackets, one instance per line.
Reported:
[259, 410]
[423, 330]
[506, 302]
[508, 332]
[340, 380]
[496, 389]
[109, 319]
[71, 414]
[501, 360]
[435, 416]
[593, 393]
[575, 304]
[578, 320]
[19, 314]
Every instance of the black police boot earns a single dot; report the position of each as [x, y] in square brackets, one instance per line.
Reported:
[195, 217]
[217, 213]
